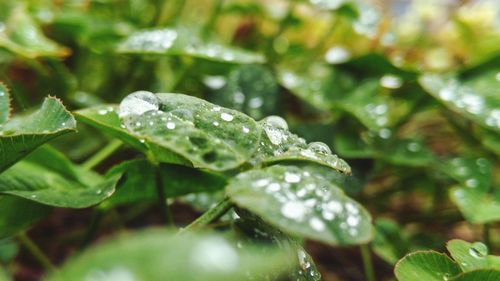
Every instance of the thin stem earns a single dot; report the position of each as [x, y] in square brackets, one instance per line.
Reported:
[367, 262]
[217, 7]
[162, 198]
[102, 154]
[486, 235]
[36, 252]
[210, 216]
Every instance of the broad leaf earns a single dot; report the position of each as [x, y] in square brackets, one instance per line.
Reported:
[23, 36]
[139, 182]
[184, 42]
[186, 130]
[21, 135]
[160, 255]
[476, 98]
[472, 256]
[18, 214]
[426, 265]
[105, 118]
[478, 275]
[302, 203]
[477, 206]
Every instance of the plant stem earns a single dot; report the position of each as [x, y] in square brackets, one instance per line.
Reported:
[102, 154]
[486, 235]
[210, 216]
[367, 262]
[162, 199]
[217, 7]
[35, 251]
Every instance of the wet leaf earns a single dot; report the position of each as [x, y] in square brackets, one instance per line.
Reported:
[389, 242]
[21, 135]
[302, 204]
[475, 205]
[186, 130]
[483, 275]
[184, 42]
[162, 255]
[426, 265]
[23, 36]
[472, 256]
[4, 103]
[18, 214]
[476, 98]
[470, 172]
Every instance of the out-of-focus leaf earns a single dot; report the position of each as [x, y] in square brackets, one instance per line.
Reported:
[251, 89]
[472, 256]
[8, 250]
[18, 214]
[476, 98]
[470, 172]
[3, 275]
[186, 130]
[389, 242]
[4, 103]
[23, 36]
[21, 135]
[302, 204]
[426, 265]
[161, 255]
[182, 41]
[105, 118]
[139, 182]
[475, 205]
[490, 139]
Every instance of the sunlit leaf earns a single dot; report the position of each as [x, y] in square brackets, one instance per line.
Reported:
[477, 206]
[470, 172]
[472, 256]
[483, 275]
[426, 265]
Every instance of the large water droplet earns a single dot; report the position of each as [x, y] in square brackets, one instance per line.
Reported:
[138, 103]
[337, 54]
[319, 147]
[294, 210]
[276, 122]
[478, 250]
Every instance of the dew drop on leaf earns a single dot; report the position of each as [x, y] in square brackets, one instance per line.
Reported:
[478, 250]
[138, 103]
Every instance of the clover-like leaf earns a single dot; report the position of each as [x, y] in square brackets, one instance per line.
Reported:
[186, 130]
[472, 256]
[470, 172]
[302, 203]
[21, 135]
[426, 265]
[162, 255]
[184, 42]
[478, 275]
[23, 36]
[476, 98]
[477, 206]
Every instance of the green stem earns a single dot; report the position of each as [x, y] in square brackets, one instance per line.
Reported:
[486, 235]
[210, 216]
[102, 154]
[217, 7]
[36, 252]
[162, 198]
[367, 262]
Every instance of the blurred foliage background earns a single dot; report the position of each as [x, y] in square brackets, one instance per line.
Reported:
[408, 92]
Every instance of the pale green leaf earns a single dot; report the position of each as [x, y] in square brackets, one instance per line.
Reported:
[426, 265]
[476, 206]
[472, 256]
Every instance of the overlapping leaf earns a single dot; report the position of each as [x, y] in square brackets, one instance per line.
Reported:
[472, 256]
[302, 203]
[477, 206]
[18, 214]
[426, 265]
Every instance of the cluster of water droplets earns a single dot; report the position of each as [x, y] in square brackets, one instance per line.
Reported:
[159, 40]
[307, 270]
[472, 172]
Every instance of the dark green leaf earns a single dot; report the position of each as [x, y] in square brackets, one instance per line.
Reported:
[389, 242]
[18, 214]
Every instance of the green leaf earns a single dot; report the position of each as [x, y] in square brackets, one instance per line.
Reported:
[184, 42]
[470, 172]
[139, 182]
[426, 265]
[4, 103]
[472, 256]
[186, 130]
[303, 204]
[3, 275]
[23, 36]
[105, 118]
[389, 242]
[21, 135]
[8, 250]
[161, 255]
[477, 206]
[242, 93]
[476, 98]
[18, 214]
[478, 275]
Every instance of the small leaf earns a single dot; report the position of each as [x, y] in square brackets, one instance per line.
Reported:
[18, 214]
[476, 206]
[426, 265]
[105, 118]
[21, 135]
[161, 255]
[389, 242]
[478, 275]
[184, 42]
[23, 36]
[302, 204]
[476, 98]
[472, 256]
[470, 172]
[4, 104]
[8, 250]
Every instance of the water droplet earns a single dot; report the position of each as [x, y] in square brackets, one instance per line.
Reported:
[246, 130]
[226, 117]
[138, 103]
[317, 224]
[478, 250]
[414, 147]
[170, 125]
[276, 122]
[215, 123]
[292, 177]
[214, 82]
[319, 147]
[215, 254]
[337, 54]
[255, 102]
[391, 81]
[294, 210]
[385, 133]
